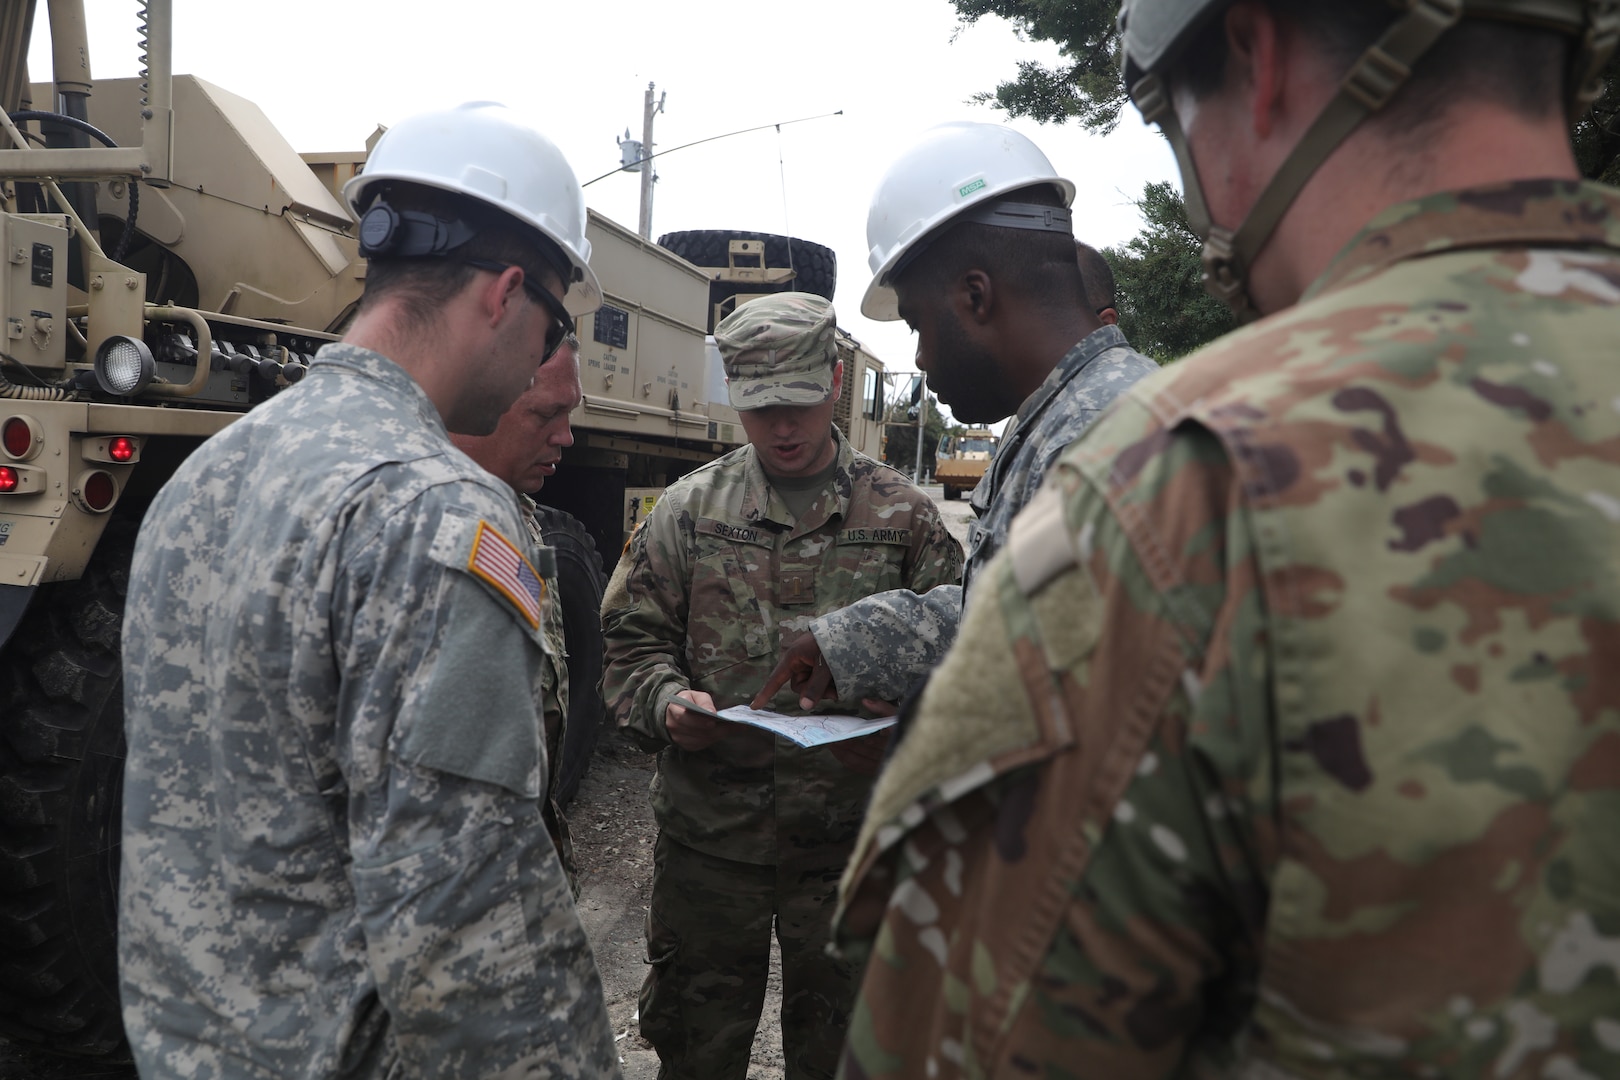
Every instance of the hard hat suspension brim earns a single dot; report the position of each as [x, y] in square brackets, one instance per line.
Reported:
[1031, 217]
[407, 234]
[389, 233]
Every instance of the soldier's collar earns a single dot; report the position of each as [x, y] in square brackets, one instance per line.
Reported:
[758, 495]
[398, 385]
[1545, 213]
[1079, 356]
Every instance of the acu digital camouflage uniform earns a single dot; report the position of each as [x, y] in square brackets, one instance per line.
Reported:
[1285, 740]
[333, 859]
[882, 645]
[719, 578]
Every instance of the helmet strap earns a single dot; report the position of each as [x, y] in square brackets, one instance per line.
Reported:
[1372, 81]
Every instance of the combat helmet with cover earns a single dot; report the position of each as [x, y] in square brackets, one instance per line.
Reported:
[1154, 37]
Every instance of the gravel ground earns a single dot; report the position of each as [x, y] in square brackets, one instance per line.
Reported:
[613, 844]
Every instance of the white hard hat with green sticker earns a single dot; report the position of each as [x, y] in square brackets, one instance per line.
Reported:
[952, 169]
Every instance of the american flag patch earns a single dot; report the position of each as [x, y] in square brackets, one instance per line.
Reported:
[496, 561]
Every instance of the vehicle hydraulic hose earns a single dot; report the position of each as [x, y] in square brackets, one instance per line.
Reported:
[104, 139]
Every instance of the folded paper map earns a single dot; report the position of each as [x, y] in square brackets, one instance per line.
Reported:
[817, 729]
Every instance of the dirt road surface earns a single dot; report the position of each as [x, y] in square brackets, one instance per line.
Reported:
[957, 513]
[613, 845]
[613, 842]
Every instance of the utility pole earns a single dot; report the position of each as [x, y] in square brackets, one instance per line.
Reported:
[922, 426]
[648, 109]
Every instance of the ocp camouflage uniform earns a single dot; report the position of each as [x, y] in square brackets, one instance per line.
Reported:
[882, 645]
[333, 858]
[721, 577]
[1285, 741]
[556, 702]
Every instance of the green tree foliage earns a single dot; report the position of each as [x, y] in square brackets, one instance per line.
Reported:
[900, 443]
[1163, 308]
[1086, 87]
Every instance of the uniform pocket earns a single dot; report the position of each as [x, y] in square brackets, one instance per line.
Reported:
[882, 567]
[662, 943]
[658, 1006]
[725, 624]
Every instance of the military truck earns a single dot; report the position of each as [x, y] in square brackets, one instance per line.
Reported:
[170, 262]
[961, 460]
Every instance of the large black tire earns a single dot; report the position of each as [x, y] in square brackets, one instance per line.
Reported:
[815, 267]
[580, 582]
[61, 796]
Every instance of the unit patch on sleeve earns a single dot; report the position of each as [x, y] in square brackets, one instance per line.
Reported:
[503, 566]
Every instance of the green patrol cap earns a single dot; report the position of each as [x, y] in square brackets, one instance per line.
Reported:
[779, 350]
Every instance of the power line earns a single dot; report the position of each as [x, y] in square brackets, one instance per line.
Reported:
[711, 138]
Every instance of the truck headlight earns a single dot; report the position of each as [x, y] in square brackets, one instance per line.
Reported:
[124, 366]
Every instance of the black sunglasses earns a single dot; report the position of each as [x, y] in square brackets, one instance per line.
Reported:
[562, 323]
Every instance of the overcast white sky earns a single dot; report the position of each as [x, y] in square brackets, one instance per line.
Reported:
[326, 73]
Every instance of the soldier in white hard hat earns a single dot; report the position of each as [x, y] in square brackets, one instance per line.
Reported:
[334, 861]
[971, 245]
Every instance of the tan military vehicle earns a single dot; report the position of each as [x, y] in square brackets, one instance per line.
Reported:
[961, 460]
[169, 262]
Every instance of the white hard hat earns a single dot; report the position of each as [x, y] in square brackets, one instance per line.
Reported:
[952, 167]
[480, 150]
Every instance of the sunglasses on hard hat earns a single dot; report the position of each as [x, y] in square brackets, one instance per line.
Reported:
[562, 323]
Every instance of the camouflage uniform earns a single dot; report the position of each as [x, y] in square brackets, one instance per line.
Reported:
[333, 861]
[719, 579]
[556, 703]
[1285, 741]
[882, 645]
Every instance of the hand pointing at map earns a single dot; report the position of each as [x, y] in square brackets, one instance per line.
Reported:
[801, 665]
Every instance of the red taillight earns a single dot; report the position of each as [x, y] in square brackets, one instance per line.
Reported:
[17, 436]
[21, 480]
[99, 490]
[121, 448]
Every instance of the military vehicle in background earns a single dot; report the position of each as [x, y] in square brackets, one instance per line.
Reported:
[961, 460]
[169, 262]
